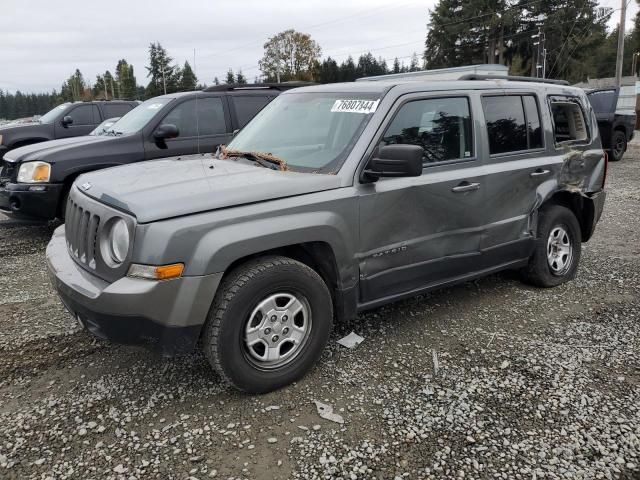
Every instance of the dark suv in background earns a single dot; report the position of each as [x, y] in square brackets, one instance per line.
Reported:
[616, 124]
[64, 121]
[35, 179]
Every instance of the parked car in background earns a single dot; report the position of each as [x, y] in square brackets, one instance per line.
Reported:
[335, 199]
[615, 111]
[64, 121]
[35, 179]
[104, 127]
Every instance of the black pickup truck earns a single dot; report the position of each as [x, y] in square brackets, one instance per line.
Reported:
[616, 125]
[35, 179]
[64, 121]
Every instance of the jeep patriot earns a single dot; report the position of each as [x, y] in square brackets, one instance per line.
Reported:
[333, 200]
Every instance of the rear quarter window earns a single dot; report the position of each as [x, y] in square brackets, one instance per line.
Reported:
[569, 122]
[116, 110]
[247, 107]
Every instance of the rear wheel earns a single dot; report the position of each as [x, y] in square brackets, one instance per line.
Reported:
[268, 325]
[557, 249]
[618, 145]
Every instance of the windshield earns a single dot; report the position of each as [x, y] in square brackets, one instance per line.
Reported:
[138, 118]
[52, 114]
[309, 131]
[602, 100]
[104, 127]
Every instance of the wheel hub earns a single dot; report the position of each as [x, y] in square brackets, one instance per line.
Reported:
[559, 250]
[277, 329]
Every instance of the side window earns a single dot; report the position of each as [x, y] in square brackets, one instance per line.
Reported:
[513, 123]
[115, 109]
[569, 124]
[247, 107]
[211, 116]
[441, 126]
[183, 116]
[82, 115]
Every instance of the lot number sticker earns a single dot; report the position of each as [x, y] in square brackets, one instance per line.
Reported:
[355, 106]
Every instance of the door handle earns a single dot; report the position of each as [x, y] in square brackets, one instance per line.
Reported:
[465, 187]
[540, 173]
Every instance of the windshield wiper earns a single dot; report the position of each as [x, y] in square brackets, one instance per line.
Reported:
[263, 159]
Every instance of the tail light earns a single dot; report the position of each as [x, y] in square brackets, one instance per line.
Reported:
[606, 168]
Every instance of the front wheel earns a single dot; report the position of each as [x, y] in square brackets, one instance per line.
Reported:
[268, 324]
[618, 145]
[557, 249]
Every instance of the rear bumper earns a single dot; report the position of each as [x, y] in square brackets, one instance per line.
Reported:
[164, 316]
[595, 203]
[37, 201]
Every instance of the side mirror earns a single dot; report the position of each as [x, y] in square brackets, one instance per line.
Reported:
[166, 131]
[66, 121]
[396, 161]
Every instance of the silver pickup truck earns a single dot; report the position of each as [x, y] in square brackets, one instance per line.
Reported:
[335, 199]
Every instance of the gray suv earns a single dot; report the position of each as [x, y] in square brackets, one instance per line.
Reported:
[333, 200]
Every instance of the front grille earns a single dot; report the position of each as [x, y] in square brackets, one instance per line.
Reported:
[7, 171]
[81, 228]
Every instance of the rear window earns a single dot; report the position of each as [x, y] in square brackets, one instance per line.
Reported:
[116, 109]
[602, 101]
[513, 123]
[247, 107]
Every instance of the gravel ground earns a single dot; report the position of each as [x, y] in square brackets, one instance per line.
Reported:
[490, 379]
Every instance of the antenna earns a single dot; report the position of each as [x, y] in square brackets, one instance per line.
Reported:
[195, 88]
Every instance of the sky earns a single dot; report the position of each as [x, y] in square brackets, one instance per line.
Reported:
[43, 42]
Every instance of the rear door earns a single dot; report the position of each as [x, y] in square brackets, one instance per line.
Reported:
[424, 231]
[516, 166]
[85, 118]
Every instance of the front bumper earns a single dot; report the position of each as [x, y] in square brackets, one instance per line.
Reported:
[166, 316]
[38, 201]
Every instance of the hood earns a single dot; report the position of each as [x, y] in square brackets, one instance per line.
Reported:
[14, 125]
[161, 189]
[52, 150]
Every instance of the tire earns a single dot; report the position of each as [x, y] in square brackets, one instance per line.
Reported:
[557, 226]
[243, 306]
[618, 145]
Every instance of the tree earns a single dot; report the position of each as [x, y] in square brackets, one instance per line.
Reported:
[164, 76]
[231, 78]
[348, 70]
[73, 89]
[414, 66]
[188, 80]
[240, 78]
[216, 81]
[467, 32]
[289, 55]
[125, 81]
[396, 65]
[328, 71]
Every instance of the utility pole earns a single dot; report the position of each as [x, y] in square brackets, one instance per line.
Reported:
[623, 16]
[541, 53]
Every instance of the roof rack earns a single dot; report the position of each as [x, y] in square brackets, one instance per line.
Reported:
[514, 78]
[229, 87]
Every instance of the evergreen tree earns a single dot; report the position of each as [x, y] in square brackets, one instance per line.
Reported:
[125, 81]
[188, 80]
[348, 70]
[240, 78]
[161, 72]
[216, 81]
[396, 65]
[328, 71]
[231, 78]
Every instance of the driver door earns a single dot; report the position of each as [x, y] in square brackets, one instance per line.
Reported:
[202, 126]
[420, 232]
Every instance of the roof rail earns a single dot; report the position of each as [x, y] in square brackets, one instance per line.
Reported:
[229, 87]
[474, 76]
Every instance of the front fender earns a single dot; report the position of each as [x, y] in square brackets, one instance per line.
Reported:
[221, 247]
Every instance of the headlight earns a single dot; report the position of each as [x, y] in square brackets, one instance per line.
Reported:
[34, 172]
[119, 241]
